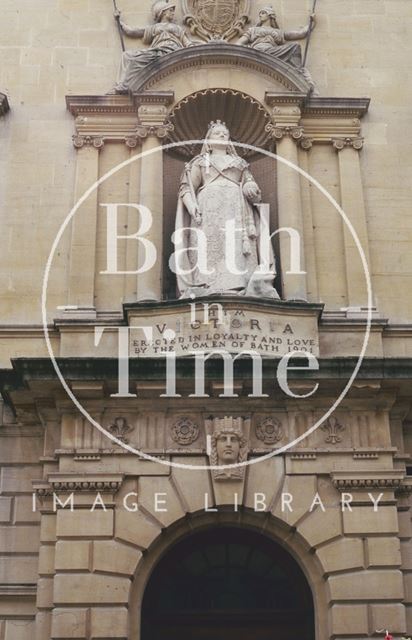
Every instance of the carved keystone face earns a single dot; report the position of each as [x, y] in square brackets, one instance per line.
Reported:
[228, 448]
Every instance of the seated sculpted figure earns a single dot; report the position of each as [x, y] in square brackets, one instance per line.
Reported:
[268, 38]
[165, 36]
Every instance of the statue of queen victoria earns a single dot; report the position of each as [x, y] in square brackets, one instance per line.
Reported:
[218, 217]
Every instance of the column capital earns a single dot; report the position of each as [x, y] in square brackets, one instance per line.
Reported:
[341, 143]
[80, 141]
[277, 132]
[152, 112]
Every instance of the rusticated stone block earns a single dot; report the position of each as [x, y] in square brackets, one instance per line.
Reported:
[135, 528]
[158, 497]
[84, 523]
[18, 570]
[45, 593]
[19, 630]
[346, 553]
[193, 492]
[384, 552]
[5, 509]
[363, 520]
[109, 623]
[69, 623]
[90, 589]
[321, 526]
[349, 620]
[388, 616]
[46, 559]
[48, 528]
[19, 539]
[367, 585]
[112, 556]
[72, 555]
[301, 489]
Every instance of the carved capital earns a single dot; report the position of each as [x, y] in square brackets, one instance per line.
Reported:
[278, 132]
[341, 143]
[153, 121]
[131, 142]
[159, 131]
[306, 143]
[89, 141]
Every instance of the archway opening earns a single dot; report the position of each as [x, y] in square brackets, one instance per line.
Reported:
[227, 583]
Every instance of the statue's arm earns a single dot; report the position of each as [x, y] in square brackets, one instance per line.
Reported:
[189, 185]
[250, 188]
[245, 39]
[300, 34]
[132, 32]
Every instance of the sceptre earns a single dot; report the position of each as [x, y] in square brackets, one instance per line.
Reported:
[310, 33]
[119, 26]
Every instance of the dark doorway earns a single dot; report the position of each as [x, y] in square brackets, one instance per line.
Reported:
[227, 583]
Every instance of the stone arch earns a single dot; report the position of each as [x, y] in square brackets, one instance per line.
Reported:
[266, 524]
[232, 67]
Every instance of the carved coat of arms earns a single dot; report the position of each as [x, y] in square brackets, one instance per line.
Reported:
[216, 19]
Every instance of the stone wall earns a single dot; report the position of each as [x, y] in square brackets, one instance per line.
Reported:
[60, 47]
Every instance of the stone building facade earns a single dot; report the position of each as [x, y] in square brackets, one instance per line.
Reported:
[106, 530]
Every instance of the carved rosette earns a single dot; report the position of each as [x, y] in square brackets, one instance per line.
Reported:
[184, 431]
[269, 431]
[89, 141]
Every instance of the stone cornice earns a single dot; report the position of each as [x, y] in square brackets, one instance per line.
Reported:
[4, 104]
[365, 481]
[344, 107]
[68, 483]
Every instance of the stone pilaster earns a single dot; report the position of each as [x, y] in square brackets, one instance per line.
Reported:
[353, 204]
[286, 131]
[152, 128]
[84, 226]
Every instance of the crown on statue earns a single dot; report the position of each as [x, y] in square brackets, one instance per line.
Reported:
[218, 123]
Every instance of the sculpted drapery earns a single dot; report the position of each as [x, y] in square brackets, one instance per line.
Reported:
[217, 193]
[268, 38]
[163, 37]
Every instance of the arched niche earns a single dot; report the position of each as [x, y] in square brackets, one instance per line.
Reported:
[220, 65]
[270, 540]
[247, 119]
